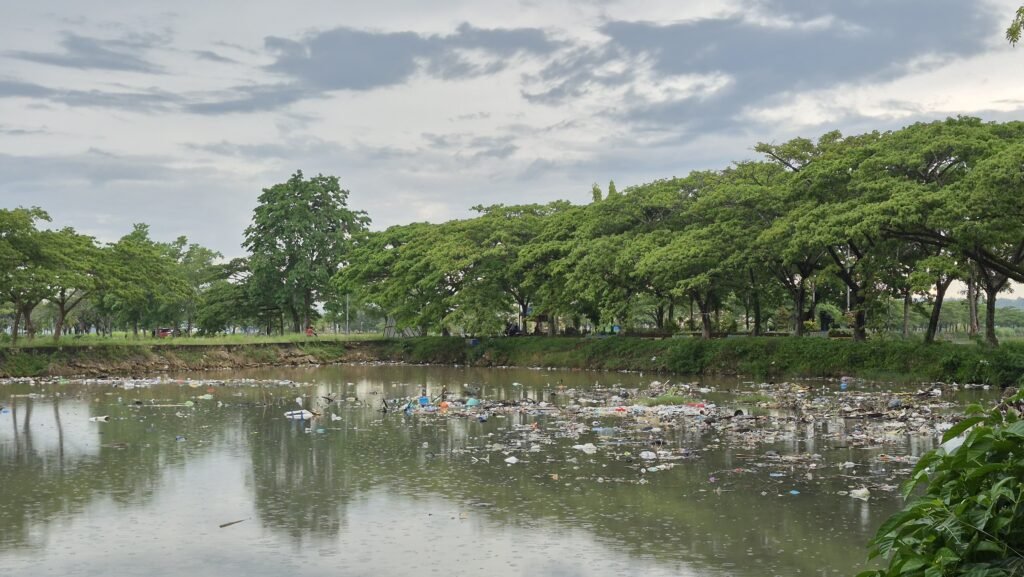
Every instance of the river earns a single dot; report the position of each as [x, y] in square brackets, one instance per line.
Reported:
[202, 475]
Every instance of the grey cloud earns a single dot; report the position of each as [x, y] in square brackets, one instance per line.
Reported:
[88, 53]
[102, 194]
[138, 101]
[472, 116]
[466, 145]
[96, 167]
[350, 59]
[12, 131]
[499, 152]
[850, 42]
[301, 149]
[360, 60]
[213, 57]
[250, 99]
[16, 89]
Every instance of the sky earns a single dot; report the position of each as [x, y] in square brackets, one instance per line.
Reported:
[178, 114]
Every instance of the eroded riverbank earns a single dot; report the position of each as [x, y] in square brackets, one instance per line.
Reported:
[768, 359]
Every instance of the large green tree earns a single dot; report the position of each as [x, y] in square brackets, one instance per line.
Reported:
[23, 274]
[73, 261]
[301, 233]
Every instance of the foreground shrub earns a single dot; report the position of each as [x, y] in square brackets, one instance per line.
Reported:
[970, 518]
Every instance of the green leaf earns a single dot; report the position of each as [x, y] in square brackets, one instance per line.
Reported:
[912, 564]
[1016, 429]
[988, 546]
[960, 427]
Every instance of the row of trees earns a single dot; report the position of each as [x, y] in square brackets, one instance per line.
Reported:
[841, 223]
[135, 282]
[300, 231]
[834, 229]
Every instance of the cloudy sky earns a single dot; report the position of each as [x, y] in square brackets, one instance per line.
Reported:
[177, 113]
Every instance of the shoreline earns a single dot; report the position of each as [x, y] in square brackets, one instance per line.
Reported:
[763, 358]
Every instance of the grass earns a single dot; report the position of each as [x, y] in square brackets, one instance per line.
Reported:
[894, 359]
[127, 339]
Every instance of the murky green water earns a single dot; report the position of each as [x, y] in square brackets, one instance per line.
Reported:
[363, 493]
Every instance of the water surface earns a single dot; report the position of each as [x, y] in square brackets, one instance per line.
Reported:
[366, 493]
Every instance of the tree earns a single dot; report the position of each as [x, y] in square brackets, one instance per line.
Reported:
[300, 237]
[72, 259]
[24, 278]
[141, 278]
[196, 266]
[778, 203]
[1015, 28]
[993, 233]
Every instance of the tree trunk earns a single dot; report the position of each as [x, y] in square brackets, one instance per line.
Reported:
[906, 314]
[757, 314]
[972, 305]
[30, 329]
[746, 315]
[705, 317]
[307, 302]
[799, 300]
[933, 322]
[990, 316]
[17, 325]
[860, 323]
[59, 327]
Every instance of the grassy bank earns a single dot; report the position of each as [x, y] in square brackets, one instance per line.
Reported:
[763, 358]
[760, 358]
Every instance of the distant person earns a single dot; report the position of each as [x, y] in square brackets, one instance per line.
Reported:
[310, 331]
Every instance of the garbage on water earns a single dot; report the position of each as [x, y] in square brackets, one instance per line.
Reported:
[632, 434]
[230, 523]
[179, 438]
[863, 494]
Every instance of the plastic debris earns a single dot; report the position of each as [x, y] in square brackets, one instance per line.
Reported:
[230, 523]
[303, 415]
[103, 419]
[863, 494]
[512, 460]
[588, 448]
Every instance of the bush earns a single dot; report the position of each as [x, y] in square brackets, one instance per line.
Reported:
[970, 519]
